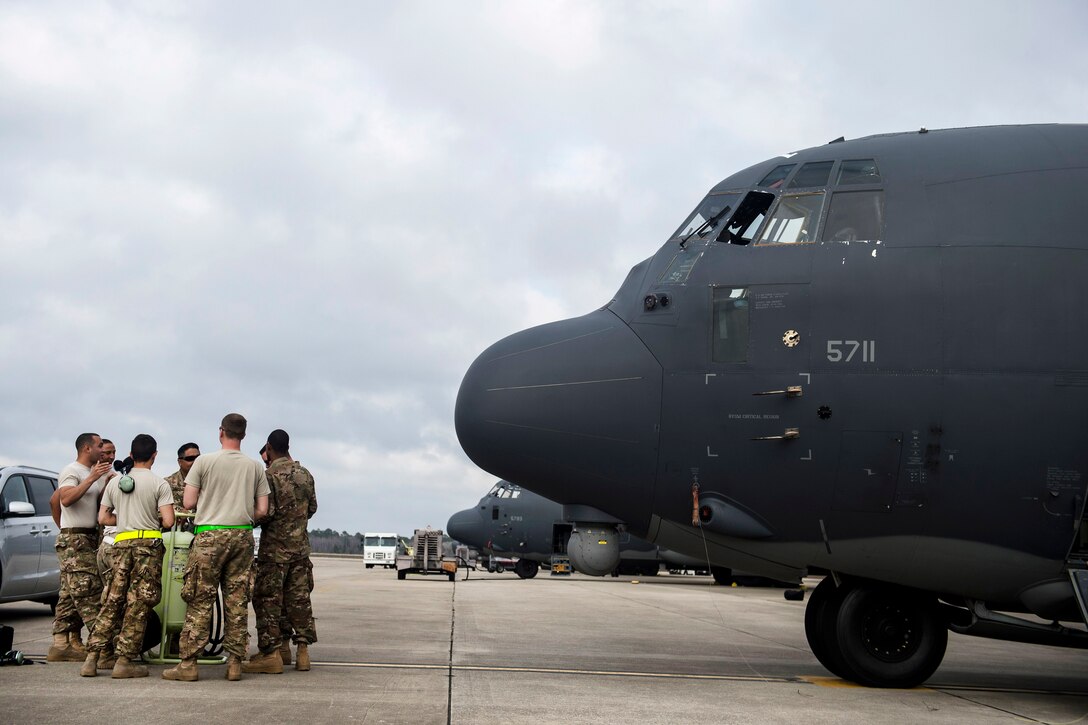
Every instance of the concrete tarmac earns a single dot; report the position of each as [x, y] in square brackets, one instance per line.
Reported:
[493, 648]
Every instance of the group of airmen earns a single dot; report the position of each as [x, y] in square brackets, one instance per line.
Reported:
[111, 577]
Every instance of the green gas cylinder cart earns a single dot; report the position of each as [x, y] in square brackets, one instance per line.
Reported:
[168, 616]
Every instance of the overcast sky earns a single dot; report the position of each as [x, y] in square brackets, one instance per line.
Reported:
[318, 214]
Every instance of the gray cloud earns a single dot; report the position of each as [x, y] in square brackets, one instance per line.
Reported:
[320, 216]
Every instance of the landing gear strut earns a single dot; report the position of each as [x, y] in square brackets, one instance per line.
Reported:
[874, 634]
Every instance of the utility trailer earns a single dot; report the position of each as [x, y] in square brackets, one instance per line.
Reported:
[427, 556]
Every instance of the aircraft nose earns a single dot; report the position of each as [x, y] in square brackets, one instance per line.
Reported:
[465, 526]
[569, 410]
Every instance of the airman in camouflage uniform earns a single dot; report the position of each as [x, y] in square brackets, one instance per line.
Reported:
[229, 491]
[284, 573]
[79, 486]
[187, 454]
[136, 583]
[66, 621]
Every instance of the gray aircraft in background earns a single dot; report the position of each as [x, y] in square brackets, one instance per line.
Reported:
[867, 359]
[511, 521]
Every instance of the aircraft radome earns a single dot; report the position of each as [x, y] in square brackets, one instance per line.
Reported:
[867, 359]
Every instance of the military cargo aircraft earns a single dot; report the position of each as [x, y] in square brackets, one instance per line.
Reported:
[509, 520]
[867, 359]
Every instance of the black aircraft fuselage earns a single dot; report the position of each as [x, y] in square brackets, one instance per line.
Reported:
[512, 521]
[868, 359]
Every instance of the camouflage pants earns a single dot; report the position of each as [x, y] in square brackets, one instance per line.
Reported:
[81, 587]
[67, 618]
[220, 557]
[105, 566]
[133, 590]
[281, 595]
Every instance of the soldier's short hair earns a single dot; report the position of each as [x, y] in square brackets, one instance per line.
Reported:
[279, 441]
[186, 447]
[234, 425]
[143, 447]
[106, 441]
[85, 439]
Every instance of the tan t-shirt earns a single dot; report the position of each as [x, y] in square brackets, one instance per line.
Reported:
[229, 481]
[83, 514]
[138, 509]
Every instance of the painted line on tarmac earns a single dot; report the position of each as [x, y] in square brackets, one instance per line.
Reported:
[937, 687]
[562, 671]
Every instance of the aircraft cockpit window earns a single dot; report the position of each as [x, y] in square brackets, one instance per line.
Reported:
[778, 174]
[746, 220]
[794, 220]
[729, 336]
[859, 171]
[813, 174]
[708, 217]
[854, 216]
[495, 490]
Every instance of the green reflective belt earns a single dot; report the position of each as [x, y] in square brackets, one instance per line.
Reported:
[213, 527]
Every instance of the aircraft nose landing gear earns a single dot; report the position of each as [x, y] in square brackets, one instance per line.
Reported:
[875, 634]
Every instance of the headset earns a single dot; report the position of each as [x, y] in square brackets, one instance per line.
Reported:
[126, 483]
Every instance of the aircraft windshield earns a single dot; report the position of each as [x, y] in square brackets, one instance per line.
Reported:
[504, 490]
[708, 218]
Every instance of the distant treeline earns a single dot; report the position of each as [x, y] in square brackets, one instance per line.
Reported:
[327, 541]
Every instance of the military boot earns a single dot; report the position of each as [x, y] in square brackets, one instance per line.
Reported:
[60, 651]
[76, 643]
[302, 658]
[184, 672]
[267, 664]
[107, 660]
[123, 669]
[285, 651]
[90, 665]
[234, 668]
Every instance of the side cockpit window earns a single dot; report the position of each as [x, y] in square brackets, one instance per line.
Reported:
[855, 216]
[729, 333]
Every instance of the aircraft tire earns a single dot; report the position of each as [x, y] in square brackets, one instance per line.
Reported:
[821, 616]
[889, 636]
[526, 569]
[722, 575]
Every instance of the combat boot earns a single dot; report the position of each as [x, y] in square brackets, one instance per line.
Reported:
[285, 651]
[184, 672]
[75, 643]
[302, 658]
[60, 651]
[107, 660]
[234, 668]
[90, 665]
[267, 664]
[124, 669]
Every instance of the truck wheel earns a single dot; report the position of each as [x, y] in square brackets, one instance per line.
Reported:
[401, 574]
[453, 577]
[369, 566]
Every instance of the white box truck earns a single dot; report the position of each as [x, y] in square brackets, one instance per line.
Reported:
[380, 550]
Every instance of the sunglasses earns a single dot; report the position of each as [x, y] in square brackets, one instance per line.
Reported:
[190, 459]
